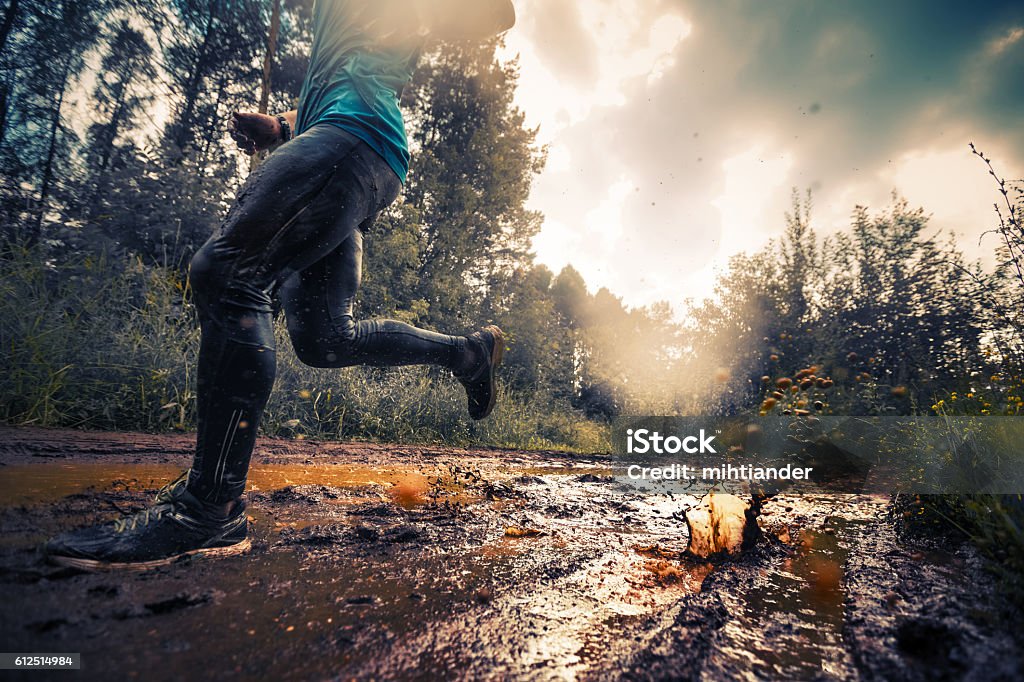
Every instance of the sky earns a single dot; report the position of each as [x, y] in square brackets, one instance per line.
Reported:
[678, 129]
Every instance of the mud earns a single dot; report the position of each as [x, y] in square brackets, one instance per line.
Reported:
[403, 562]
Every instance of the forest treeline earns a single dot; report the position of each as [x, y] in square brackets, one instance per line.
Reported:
[116, 166]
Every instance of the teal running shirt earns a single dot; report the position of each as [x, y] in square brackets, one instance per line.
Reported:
[364, 53]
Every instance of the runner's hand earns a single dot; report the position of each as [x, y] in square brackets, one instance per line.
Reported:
[254, 132]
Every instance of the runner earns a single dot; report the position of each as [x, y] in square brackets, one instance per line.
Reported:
[296, 229]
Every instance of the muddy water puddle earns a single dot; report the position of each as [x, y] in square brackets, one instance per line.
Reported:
[410, 571]
[410, 485]
[28, 484]
[787, 617]
[800, 608]
[278, 614]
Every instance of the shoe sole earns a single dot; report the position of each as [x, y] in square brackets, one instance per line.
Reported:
[95, 566]
[496, 355]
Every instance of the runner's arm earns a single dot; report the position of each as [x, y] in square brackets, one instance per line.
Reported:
[466, 19]
[254, 132]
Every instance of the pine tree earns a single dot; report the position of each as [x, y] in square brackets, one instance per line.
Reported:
[118, 100]
[213, 65]
[474, 161]
[43, 53]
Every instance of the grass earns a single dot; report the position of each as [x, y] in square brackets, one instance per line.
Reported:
[994, 523]
[95, 343]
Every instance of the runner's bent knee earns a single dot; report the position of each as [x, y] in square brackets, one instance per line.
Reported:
[236, 306]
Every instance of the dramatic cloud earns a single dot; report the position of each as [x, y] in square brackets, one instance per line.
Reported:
[677, 129]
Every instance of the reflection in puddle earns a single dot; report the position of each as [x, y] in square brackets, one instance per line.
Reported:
[26, 484]
[788, 624]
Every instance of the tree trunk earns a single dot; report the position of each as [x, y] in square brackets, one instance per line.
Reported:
[115, 125]
[44, 189]
[268, 62]
[268, 59]
[5, 32]
[8, 24]
[192, 91]
[108, 144]
[3, 110]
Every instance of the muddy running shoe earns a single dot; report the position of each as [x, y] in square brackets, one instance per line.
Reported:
[178, 525]
[481, 389]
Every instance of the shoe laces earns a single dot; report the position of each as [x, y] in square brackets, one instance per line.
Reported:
[170, 491]
[141, 518]
[164, 501]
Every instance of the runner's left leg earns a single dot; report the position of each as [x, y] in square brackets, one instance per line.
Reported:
[319, 303]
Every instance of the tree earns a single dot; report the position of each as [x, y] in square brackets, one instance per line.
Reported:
[169, 197]
[119, 101]
[44, 52]
[475, 162]
[912, 319]
[882, 306]
[11, 16]
[213, 63]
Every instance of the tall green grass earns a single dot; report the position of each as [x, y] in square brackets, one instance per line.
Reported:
[112, 344]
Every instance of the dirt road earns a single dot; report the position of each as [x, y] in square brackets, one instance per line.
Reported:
[413, 562]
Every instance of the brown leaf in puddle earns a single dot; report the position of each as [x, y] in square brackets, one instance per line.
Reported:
[519, 532]
[826, 578]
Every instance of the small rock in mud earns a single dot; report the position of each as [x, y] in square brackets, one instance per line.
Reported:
[403, 533]
[369, 533]
[930, 641]
[179, 601]
[591, 478]
[44, 626]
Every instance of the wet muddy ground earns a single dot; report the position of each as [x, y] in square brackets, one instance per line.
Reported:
[412, 562]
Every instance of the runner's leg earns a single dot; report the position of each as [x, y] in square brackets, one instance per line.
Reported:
[319, 304]
[305, 200]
